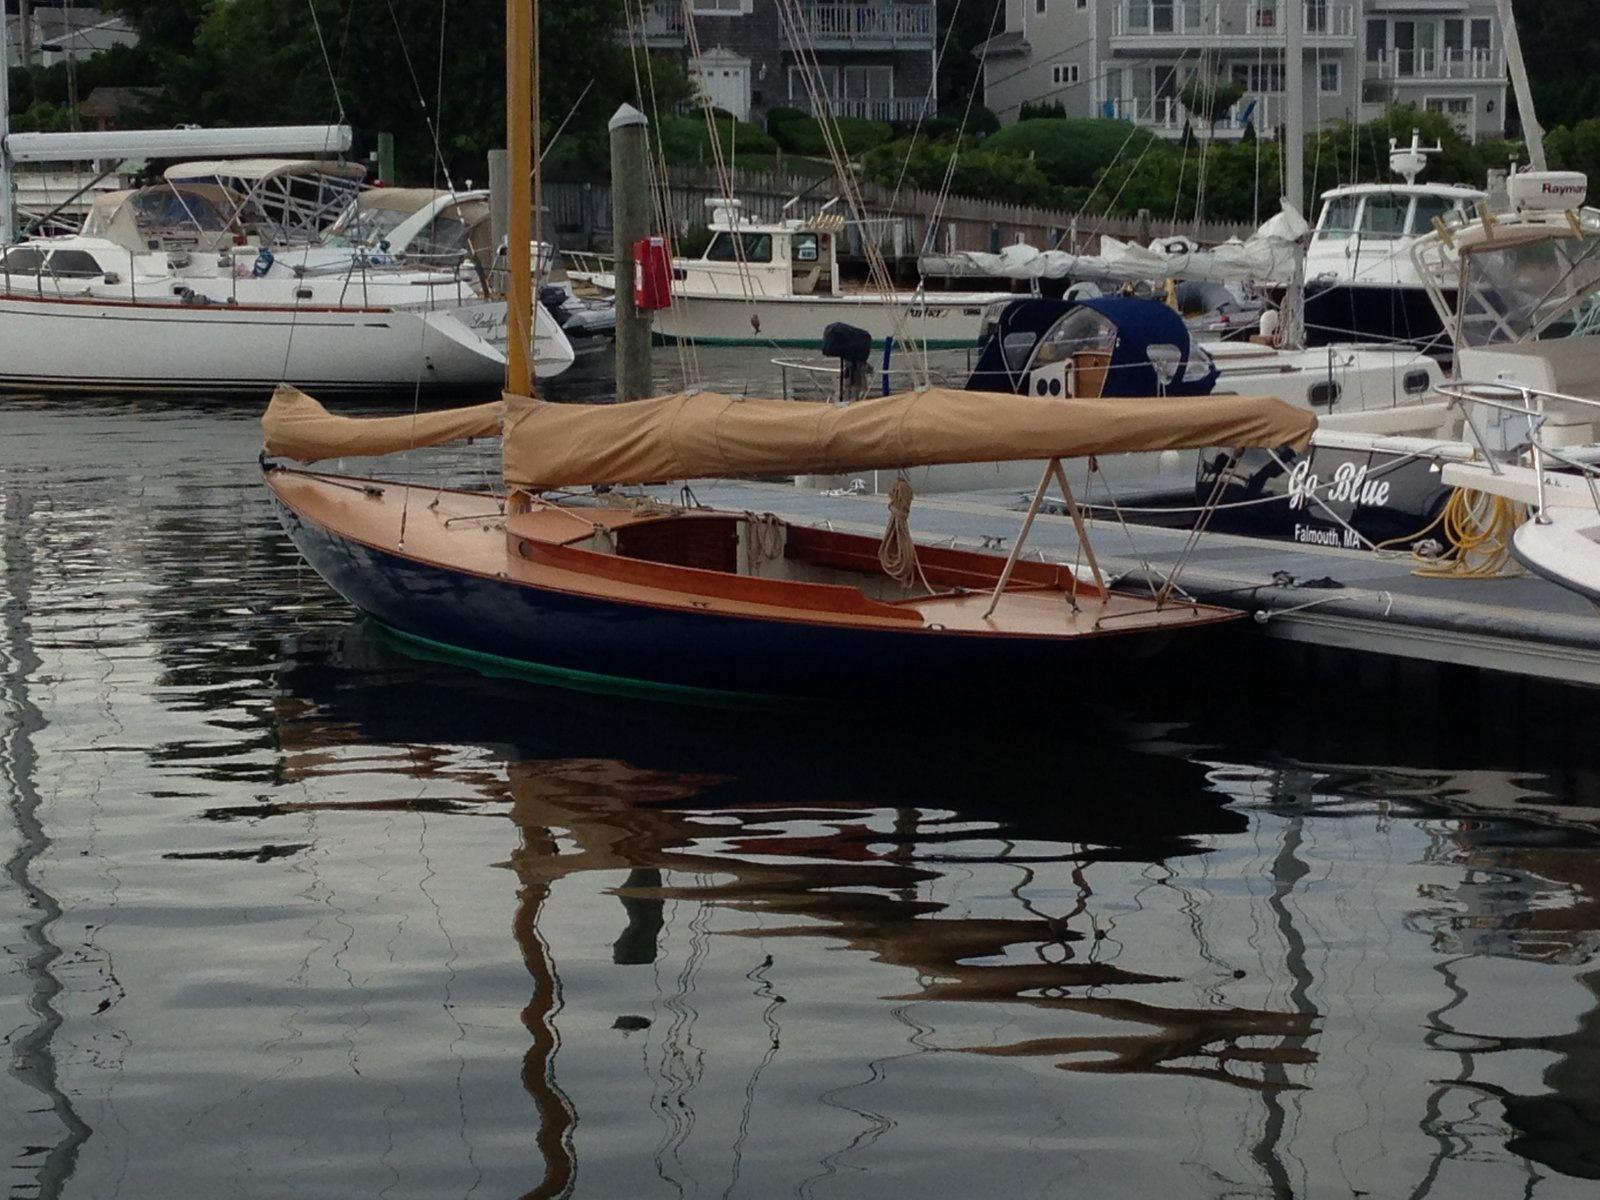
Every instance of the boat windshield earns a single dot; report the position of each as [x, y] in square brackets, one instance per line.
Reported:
[1384, 217]
[1082, 329]
[1339, 217]
[365, 226]
[1536, 290]
[1429, 207]
[757, 248]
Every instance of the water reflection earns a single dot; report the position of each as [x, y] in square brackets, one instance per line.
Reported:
[384, 926]
[977, 890]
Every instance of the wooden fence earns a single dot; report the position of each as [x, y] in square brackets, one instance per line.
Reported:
[902, 225]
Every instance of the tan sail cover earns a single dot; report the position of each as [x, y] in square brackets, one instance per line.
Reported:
[702, 435]
[296, 426]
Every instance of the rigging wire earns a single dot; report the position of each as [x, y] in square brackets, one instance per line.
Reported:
[660, 181]
[327, 62]
[877, 269]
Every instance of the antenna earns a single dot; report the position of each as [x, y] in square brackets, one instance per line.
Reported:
[1412, 161]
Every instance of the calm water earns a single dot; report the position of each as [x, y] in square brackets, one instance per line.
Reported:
[287, 913]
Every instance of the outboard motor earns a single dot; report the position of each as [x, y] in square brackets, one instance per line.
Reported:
[852, 346]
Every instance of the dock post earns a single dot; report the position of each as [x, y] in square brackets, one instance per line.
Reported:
[499, 215]
[630, 222]
[386, 158]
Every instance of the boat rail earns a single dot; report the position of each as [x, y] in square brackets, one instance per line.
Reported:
[1520, 400]
[823, 376]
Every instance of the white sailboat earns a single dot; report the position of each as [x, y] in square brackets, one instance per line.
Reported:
[180, 286]
[135, 303]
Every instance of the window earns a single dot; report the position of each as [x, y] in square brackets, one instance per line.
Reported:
[1259, 77]
[1038, 7]
[1339, 217]
[720, 8]
[1266, 14]
[1317, 19]
[868, 83]
[73, 264]
[1064, 73]
[23, 260]
[797, 82]
[757, 248]
[1416, 382]
[1457, 108]
[1325, 393]
[1377, 41]
[1429, 207]
[804, 248]
[1080, 330]
[1482, 35]
[1328, 77]
[1083, 4]
[1414, 47]
[1384, 217]
[1455, 39]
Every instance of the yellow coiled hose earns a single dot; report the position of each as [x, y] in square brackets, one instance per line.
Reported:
[1478, 529]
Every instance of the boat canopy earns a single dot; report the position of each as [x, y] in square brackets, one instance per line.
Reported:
[296, 426]
[1147, 346]
[130, 218]
[1514, 277]
[699, 435]
[262, 168]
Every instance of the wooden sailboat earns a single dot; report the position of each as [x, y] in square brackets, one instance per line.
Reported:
[615, 590]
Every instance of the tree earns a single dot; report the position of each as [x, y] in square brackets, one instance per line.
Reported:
[1210, 99]
[389, 66]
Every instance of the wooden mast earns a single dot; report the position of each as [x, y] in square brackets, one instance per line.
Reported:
[519, 150]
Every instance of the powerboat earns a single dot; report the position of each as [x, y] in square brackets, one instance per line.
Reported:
[777, 283]
[1360, 282]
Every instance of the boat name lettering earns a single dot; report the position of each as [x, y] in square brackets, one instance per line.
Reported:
[1349, 484]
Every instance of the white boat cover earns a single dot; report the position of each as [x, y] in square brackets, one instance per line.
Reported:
[1269, 256]
[701, 435]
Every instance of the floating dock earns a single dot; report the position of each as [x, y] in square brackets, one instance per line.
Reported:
[1370, 603]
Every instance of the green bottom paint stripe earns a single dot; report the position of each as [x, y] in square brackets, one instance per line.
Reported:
[582, 681]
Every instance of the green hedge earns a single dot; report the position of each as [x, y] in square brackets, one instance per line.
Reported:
[1069, 150]
[800, 134]
[685, 140]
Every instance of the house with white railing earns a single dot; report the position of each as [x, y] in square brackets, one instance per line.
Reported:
[1130, 59]
[871, 58]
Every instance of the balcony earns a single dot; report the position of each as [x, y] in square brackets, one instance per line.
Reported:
[1429, 66]
[886, 25]
[1141, 26]
[882, 26]
[1167, 116]
[663, 25]
[869, 108]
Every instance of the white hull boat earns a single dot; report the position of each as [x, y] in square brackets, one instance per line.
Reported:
[938, 320]
[777, 284]
[108, 345]
[123, 312]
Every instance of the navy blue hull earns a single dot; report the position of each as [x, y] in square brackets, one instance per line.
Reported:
[505, 626]
[1357, 314]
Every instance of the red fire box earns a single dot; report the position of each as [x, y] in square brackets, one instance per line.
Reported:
[652, 274]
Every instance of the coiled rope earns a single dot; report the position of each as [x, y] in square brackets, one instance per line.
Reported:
[897, 553]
